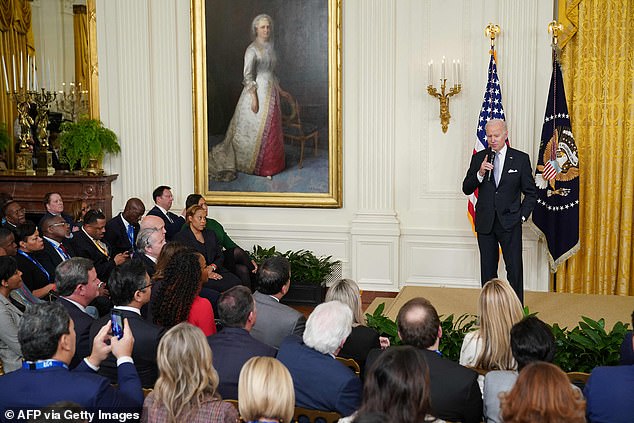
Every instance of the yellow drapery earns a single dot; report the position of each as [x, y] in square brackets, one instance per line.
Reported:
[598, 66]
[80, 32]
[16, 36]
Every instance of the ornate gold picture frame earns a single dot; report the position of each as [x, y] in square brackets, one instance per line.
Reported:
[306, 72]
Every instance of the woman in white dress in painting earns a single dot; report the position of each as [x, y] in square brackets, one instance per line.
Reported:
[254, 142]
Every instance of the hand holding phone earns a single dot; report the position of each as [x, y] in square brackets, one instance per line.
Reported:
[117, 323]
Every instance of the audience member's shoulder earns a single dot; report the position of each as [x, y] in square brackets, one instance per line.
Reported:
[291, 341]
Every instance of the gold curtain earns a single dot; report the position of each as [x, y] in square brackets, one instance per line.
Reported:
[598, 66]
[16, 37]
[80, 32]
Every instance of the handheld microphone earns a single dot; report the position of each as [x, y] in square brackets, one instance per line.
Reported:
[491, 160]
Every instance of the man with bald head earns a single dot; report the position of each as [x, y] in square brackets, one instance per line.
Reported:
[122, 230]
[501, 175]
[154, 222]
[14, 214]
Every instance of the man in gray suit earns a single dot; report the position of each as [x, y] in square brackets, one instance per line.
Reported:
[275, 320]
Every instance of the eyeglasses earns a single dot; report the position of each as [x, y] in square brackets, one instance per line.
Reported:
[59, 224]
[100, 284]
[147, 286]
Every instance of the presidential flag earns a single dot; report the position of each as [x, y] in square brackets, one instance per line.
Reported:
[491, 109]
[556, 214]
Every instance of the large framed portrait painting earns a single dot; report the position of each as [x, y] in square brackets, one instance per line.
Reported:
[267, 102]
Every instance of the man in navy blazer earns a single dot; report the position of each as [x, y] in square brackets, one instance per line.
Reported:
[163, 199]
[122, 230]
[56, 233]
[233, 346]
[320, 381]
[500, 210]
[47, 339]
[130, 289]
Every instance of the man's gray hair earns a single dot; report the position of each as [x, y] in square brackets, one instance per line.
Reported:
[328, 326]
[144, 238]
[71, 273]
[40, 329]
[496, 122]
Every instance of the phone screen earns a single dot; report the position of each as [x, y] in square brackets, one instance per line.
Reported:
[117, 324]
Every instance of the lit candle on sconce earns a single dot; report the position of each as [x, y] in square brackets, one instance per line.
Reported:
[442, 69]
[21, 71]
[13, 60]
[444, 93]
[50, 86]
[454, 72]
[430, 65]
[458, 70]
[4, 69]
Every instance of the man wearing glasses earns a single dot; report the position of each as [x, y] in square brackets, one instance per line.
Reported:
[55, 232]
[130, 289]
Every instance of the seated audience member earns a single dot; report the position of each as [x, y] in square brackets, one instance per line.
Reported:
[235, 258]
[56, 234]
[10, 279]
[489, 347]
[34, 275]
[14, 215]
[177, 299]
[362, 339]
[186, 388]
[266, 391]
[88, 242]
[55, 207]
[78, 210]
[46, 336]
[167, 252]
[455, 393]
[531, 340]
[627, 348]
[608, 394]
[163, 200]
[122, 230]
[149, 244]
[4, 199]
[233, 345]
[130, 289]
[275, 320]
[77, 285]
[8, 246]
[321, 382]
[201, 239]
[150, 221]
[397, 385]
[543, 394]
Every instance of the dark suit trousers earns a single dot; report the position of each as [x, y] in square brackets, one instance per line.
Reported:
[511, 244]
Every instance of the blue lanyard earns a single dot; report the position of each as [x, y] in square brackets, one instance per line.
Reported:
[43, 364]
[35, 262]
[61, 252]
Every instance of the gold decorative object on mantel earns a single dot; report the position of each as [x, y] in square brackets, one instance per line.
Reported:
[44, 156]
[443, 96]
[24, 158]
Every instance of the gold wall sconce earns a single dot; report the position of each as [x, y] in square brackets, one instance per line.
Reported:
[443, 96]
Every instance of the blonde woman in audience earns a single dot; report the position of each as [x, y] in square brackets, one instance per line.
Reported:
[362, 339]
[78, 210]
[265, 391]
[186, 388]
[543, 394]
[489, 347]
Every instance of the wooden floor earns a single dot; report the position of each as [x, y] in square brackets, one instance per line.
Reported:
[367, 297]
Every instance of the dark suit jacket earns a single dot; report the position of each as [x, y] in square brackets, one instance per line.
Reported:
[505, 200]
[359, 343]
[231, 348]
[82, 322]
[146, 338]
[84, 246]
[49, 257]
[320, 381]
[40, 388]
[454, 390]
[211, 250]
[171, 228]
[117, 237]
[275, 320]
[32, 276]
[609, 394]
[150, 266]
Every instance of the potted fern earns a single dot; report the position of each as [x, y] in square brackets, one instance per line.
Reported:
[84, 143]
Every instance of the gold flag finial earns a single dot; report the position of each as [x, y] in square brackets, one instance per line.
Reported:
[491, 31]
[555, 28]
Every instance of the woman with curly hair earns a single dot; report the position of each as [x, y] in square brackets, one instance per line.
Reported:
[543, 394]
[489, 347]
[186, 389]
[177, 299]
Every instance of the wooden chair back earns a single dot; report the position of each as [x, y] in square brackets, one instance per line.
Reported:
[306, 415]
[351, 364]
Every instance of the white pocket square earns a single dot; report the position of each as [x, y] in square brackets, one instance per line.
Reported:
[512, 170]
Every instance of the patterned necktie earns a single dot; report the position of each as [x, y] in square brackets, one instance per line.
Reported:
[131, 235]
[101, 246]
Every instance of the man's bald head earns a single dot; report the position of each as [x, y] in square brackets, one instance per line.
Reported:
[134, 209]
[151, 221]
[418, 323]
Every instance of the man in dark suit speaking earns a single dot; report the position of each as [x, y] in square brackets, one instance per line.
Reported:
[501, 174]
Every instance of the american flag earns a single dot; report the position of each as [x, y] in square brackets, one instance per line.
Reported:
[491, 109]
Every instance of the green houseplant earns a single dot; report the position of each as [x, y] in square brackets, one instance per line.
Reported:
[309, 273]
[84, 143]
